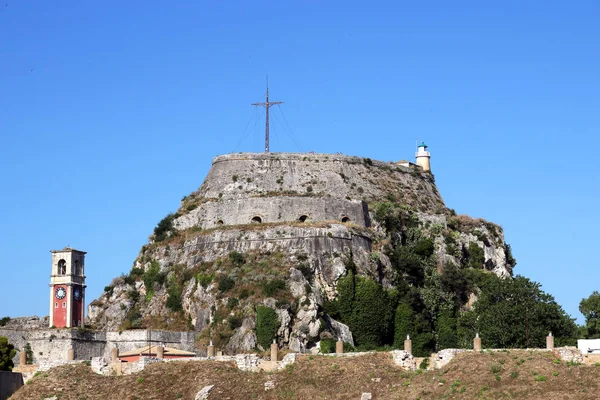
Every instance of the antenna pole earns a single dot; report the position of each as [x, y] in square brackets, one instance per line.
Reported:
[267, 104]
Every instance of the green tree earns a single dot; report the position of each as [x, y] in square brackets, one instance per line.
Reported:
[28, 353]
[267, 324]
[417, 326]
[7, 352]
[516, 313]
[475, 256]
[590, 308]
[446, 330]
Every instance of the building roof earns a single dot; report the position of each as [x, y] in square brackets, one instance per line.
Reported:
[168, 351]
[67, 249]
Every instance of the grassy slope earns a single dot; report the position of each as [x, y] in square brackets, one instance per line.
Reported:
[469, 376]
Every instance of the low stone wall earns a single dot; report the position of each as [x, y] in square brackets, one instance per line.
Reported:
[10, 382]
[54, 344]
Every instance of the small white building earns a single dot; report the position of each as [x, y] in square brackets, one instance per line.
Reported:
[588, 346]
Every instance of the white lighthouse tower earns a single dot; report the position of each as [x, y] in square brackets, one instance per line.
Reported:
[423, 157]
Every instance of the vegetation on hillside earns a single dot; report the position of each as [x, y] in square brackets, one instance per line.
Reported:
[429, 301]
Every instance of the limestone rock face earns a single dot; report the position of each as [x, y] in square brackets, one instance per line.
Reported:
[280, 230]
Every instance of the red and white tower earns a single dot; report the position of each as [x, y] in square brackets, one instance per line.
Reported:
[67, 288]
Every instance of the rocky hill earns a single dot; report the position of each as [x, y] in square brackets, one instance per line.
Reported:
[258, 251]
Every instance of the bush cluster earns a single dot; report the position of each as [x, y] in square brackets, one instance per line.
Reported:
[267, 324]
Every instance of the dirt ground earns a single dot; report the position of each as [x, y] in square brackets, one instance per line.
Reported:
[515, 374]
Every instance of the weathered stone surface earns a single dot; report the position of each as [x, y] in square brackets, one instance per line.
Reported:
[339, 330]
[288, 359]
[404, 359]
[443, 357]
[569, 353]
[204, 393]
[240, 175]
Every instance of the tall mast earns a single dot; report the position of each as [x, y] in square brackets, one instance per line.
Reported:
[267, 104]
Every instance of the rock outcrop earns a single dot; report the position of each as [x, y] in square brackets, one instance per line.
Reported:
[280, 229]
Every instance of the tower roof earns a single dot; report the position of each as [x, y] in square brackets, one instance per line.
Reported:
[68, 249]
[422, 145]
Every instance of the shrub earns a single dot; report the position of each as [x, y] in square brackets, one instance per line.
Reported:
[174, 297]
[235, 321]
[495, 368]
[267, 324]
[232, 302]
[204, 279]
[424, 247]
[4, 321]
[162, 229]
[305, 269]
[475, 257]
[136, 272]
[109, 290]
[28, 353]
[152, 276]
[225, 283]
[236, 258]
[134, 295]
[327, 346]
[270, 288]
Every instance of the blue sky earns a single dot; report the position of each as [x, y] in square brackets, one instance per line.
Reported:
[110, 112]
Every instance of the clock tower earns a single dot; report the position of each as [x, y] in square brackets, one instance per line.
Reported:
[67, 288]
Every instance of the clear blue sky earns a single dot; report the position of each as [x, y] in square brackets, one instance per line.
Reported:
[110, 112]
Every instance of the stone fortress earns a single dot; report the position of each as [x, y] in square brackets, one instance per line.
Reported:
[315, 205]
[240, 189]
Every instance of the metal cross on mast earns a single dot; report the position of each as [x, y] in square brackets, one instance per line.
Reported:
[267, 104]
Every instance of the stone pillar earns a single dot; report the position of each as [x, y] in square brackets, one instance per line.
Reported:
[477, 343]
[339, 346]
[408, 345]
[550, 341]
[274, 350]
[160, 352]
[210, 351]
[71, 354]
[23, 357]
[114, 354]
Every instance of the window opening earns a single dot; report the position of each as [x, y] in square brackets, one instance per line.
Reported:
[303, 218]
[62, 267]
[257, 220]
[345, 219]
[220, 222]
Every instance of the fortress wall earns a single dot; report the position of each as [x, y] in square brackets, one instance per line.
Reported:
[244, 175]
[274, 209]
[54, 344]
[313, 241]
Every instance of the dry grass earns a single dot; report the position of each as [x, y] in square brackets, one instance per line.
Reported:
[512, 375]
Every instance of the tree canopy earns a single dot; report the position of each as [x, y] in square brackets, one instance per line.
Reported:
[590, 308]
[7, 352]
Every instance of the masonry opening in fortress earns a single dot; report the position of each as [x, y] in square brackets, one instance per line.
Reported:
[256, 220]
[303, 218]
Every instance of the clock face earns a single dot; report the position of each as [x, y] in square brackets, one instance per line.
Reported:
[60, 293]
[77, 293]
